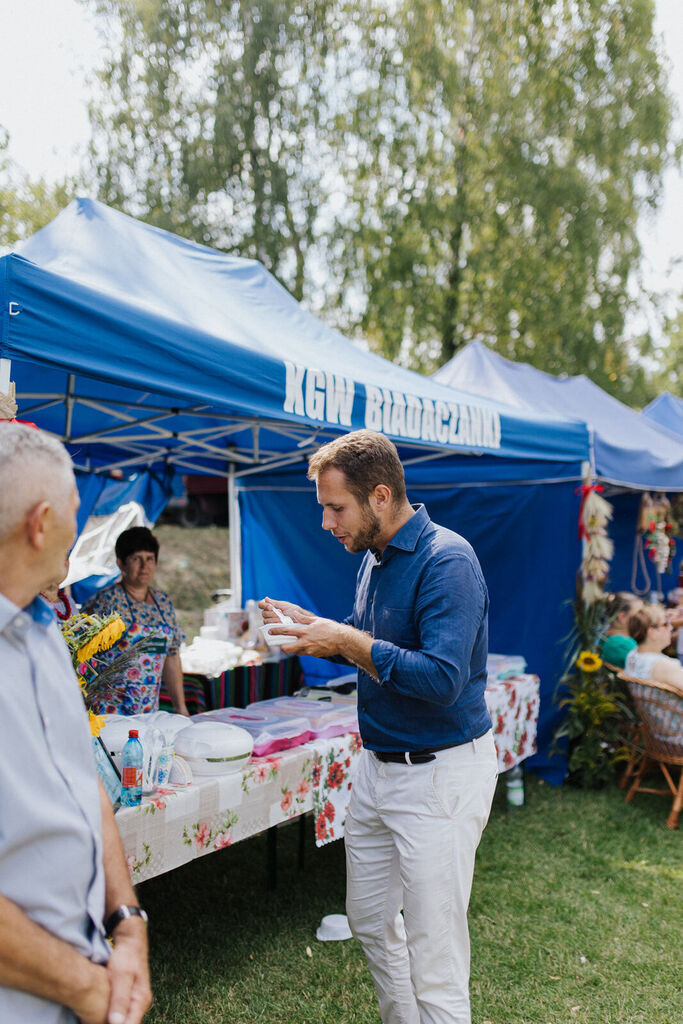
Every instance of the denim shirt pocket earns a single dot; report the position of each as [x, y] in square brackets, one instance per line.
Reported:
[397, 625]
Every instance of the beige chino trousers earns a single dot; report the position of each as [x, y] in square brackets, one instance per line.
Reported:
[411, 835]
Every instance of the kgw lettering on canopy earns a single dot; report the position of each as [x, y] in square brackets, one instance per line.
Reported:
[329, 397]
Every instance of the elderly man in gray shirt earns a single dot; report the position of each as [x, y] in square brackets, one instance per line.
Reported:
[64, 884]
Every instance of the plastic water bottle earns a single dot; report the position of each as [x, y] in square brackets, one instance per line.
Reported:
[515, 787]
[131, 771]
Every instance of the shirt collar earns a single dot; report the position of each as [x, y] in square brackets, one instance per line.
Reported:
[39, 610]
[407, 537]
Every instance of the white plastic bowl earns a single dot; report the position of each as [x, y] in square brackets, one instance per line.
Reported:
[276, 641]
[333, 928]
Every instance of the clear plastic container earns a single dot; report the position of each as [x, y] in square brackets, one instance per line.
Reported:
[271, 732]
[325, 718]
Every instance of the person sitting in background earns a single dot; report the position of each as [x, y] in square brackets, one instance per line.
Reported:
[675, 617]
[651, 630]
[615, 643]
[147, 612]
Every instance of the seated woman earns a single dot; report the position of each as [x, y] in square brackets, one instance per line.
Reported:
[615, 643]
[675, 617]
[651, 630]
[146, 612]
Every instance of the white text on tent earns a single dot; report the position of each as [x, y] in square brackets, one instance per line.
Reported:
[318, 395]
[401, 415]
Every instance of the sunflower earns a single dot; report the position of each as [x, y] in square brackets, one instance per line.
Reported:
[588, 662]
[103, 639]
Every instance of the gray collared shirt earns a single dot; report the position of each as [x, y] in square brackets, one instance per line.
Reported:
[50, 818]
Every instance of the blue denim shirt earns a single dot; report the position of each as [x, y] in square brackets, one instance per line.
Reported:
[425, 602]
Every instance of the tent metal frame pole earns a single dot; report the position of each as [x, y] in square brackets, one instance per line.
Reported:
[235, 527]
[5, 375]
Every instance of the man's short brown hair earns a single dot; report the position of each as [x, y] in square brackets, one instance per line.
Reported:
[366, 458]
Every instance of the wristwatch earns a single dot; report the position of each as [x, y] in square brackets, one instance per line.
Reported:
[122, 913]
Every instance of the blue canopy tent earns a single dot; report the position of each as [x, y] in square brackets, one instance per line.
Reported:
[667, 411]
[146, 352]
[630, 453]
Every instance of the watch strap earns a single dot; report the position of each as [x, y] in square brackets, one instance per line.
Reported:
[122, 913]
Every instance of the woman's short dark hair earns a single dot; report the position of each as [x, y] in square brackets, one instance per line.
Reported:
[138, 538]
[366, 458]
[644, 619]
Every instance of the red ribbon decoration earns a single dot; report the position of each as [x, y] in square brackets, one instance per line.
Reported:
[584, 490]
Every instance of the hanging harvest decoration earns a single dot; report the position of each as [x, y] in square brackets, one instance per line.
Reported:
[658, 536]
[656, 527]
[597, 548]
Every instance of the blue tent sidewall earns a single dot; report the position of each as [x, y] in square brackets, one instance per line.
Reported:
[525, 538]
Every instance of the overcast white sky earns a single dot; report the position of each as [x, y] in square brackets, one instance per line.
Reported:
[47, 48]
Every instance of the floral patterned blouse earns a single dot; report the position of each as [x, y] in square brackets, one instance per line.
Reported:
[157, 618]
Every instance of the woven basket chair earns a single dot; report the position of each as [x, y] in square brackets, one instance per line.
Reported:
[630, 729]
[659, 740]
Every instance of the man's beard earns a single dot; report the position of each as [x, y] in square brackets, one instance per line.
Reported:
[368, 533]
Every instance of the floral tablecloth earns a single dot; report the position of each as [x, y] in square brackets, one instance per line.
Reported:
[175, 826]
[513, 704]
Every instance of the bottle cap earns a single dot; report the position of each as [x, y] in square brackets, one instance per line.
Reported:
[132, 734]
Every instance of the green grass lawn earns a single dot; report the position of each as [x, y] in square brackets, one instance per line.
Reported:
[576, 916]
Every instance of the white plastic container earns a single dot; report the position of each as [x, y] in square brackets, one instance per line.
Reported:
[277, 640]
[214, 748]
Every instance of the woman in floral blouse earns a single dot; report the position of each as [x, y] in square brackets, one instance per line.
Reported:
[146, 612]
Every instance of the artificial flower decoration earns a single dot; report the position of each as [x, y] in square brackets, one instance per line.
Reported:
[588, 662]
[96, 723]
[88, 635]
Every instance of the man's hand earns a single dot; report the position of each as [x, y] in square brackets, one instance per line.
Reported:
[127, 969]
[319, 637]
[131, 994]
[91, 1003]
[34, 960]
[324, 638]
[267, 606]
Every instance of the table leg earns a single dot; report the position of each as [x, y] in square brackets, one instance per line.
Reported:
[302, 842]
[271, 859]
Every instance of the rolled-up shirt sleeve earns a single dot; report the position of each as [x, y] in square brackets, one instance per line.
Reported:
[449, 614]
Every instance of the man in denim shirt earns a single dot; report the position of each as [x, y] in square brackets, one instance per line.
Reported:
[423, 790]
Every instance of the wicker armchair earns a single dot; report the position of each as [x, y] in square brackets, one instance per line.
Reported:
[659, 740]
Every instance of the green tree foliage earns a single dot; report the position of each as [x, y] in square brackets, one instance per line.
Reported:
[429, 171]
[498, 157]
[210, 122]
[669, 375]
[26, 205]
